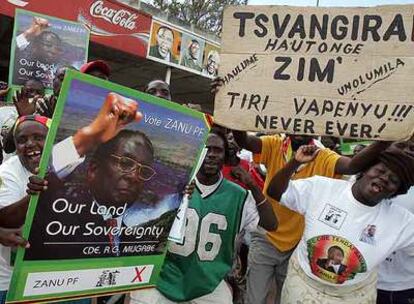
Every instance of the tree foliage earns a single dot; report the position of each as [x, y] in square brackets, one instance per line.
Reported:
[206, 15]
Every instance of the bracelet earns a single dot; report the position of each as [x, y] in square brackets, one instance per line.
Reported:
[261, 203]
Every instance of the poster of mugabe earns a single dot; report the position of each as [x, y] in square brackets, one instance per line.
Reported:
[117, 162]
[42, 44]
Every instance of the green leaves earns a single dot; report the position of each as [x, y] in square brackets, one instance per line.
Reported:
[205, 15]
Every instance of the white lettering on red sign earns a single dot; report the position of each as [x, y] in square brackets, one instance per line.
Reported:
[119, 17]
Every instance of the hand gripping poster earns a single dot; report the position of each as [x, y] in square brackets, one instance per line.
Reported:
[41, 44]
[117, 162]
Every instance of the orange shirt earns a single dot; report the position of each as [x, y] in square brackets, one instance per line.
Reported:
[291, 224]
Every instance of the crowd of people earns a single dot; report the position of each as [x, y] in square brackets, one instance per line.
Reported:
[272, 218]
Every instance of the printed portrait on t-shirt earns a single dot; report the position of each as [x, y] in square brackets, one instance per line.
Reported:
[334, 259]
[368, 234]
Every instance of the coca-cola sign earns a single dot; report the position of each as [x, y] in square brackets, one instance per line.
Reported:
[119, 17]
[112, 23]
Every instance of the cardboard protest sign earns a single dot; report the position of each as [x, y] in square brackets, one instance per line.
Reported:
[41, 44]
[102, 225]
[344, 72]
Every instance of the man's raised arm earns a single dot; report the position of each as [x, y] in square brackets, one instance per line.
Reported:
[116, 113]
[267, 218]
[280, 181]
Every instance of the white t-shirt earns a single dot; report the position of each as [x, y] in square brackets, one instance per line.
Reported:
[13, 184]
[343, 239]
[397, 271]
[13, 178]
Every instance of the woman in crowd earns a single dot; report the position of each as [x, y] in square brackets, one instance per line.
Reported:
[350, 228]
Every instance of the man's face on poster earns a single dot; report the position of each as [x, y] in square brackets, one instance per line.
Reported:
[47, 47]
[194, 50]
[212, 64]
[336, 256]
[120, 179]
[371, 230]
[165, 39]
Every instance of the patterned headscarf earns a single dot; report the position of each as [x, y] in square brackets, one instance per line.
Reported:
[40, 119]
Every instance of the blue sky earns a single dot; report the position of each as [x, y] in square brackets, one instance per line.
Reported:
[330, 2]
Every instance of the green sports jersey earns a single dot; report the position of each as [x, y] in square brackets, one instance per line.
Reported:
[196, 267]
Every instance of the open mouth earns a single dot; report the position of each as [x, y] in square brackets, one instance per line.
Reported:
[376, 188]
[33, 156]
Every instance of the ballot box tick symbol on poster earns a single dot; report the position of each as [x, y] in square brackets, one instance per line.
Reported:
[107, 278]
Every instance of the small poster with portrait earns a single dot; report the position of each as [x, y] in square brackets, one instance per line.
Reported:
[165, 44]
[117, 162]
[41, 44]
[192, 52]
[211, 60]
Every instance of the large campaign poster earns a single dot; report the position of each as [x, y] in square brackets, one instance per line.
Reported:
[344, 72]
[102, 225]
[41, 44]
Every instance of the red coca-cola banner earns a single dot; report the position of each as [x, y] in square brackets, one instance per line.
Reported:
[112, 24]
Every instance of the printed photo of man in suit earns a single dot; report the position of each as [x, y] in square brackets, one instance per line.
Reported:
[333, 262]
[86, 207]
